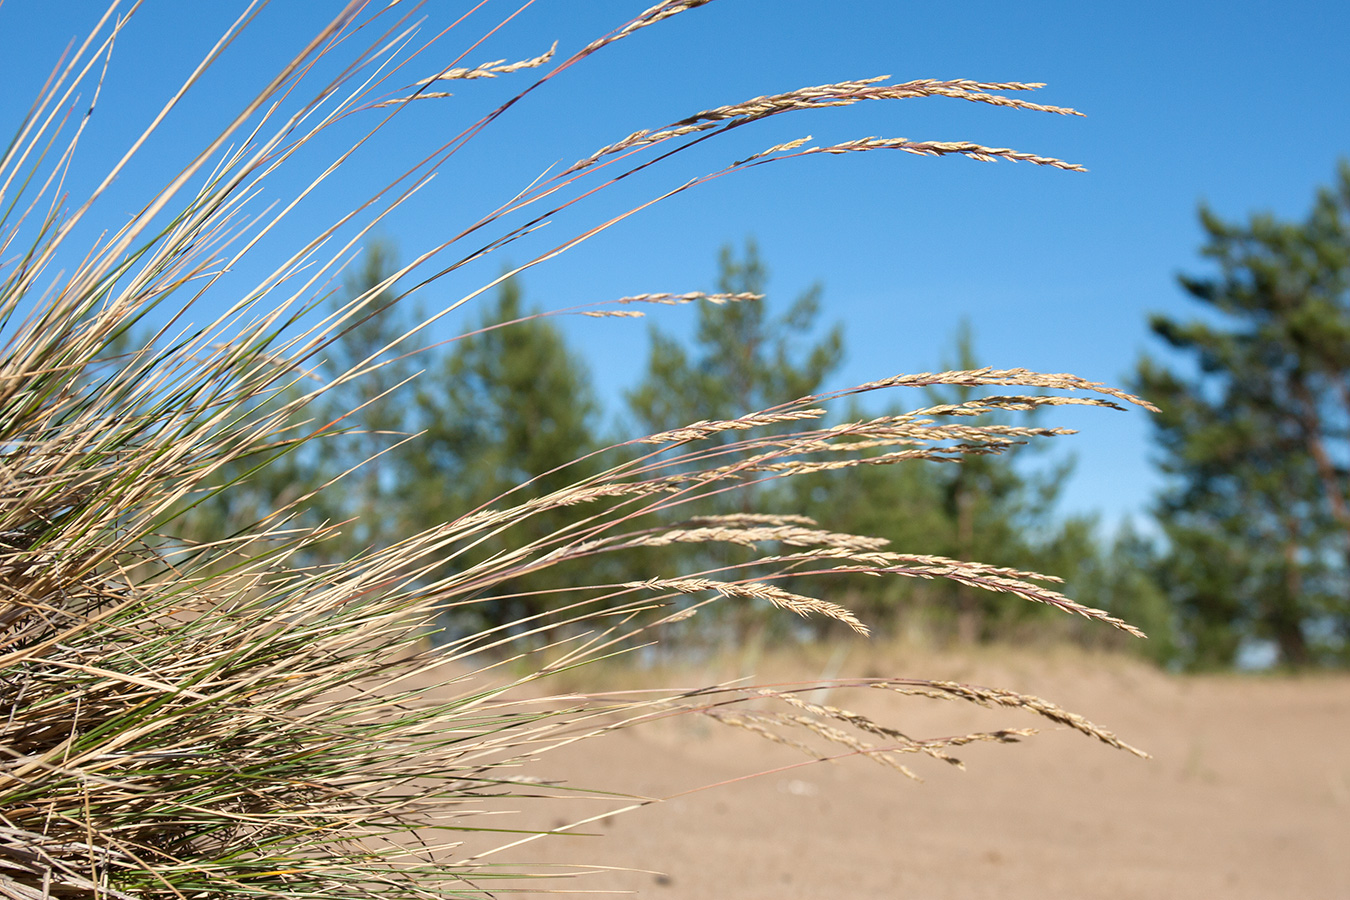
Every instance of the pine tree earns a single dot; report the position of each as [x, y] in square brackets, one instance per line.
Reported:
[1256, 444]
[743, 360]
[1122, 577]
[991, 507]
[503, 417]
[370, 411]
[358, 421]
[996, 510]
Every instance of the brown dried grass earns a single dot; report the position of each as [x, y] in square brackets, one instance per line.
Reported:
[224, 719]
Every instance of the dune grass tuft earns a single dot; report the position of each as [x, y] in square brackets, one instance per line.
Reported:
[229, 717]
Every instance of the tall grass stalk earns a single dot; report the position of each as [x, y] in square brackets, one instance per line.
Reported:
[229, 718]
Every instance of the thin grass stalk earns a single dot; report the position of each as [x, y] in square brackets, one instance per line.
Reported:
[227, 718]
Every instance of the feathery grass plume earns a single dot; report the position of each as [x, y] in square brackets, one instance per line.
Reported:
[221, 716]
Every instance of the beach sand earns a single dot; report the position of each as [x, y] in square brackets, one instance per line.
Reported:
[1247, 796]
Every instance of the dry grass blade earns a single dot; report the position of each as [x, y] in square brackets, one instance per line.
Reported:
[797, 603]
[940, 148]
[227, 717]
[699, 430]
[841, 94]
[718, 701]
[492, 69]
[990, 376]
[1008, 699]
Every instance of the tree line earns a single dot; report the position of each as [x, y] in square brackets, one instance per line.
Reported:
[1254, 438]
[1250, 544]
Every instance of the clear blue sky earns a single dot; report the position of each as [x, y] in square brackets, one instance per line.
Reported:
[1240, 104]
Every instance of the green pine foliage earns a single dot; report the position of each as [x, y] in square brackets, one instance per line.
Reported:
[349, 430]
[1000, 505]
[744, 359]
[997, 505]
[507, 415]
[1254, 438]
[1122, 575]
[367, 372]
[502, 415]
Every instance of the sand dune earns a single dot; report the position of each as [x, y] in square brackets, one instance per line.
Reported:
[1247, 796]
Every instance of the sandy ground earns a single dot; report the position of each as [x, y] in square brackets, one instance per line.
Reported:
[1247, 796]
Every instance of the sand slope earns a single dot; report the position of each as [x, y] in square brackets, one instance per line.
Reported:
[1247, 796]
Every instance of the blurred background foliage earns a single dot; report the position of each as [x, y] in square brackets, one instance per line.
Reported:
[1245, 560]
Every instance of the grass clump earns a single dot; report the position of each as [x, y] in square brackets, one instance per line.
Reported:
[229, 717]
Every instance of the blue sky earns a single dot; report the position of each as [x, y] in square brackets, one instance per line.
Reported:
[1238, 104]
